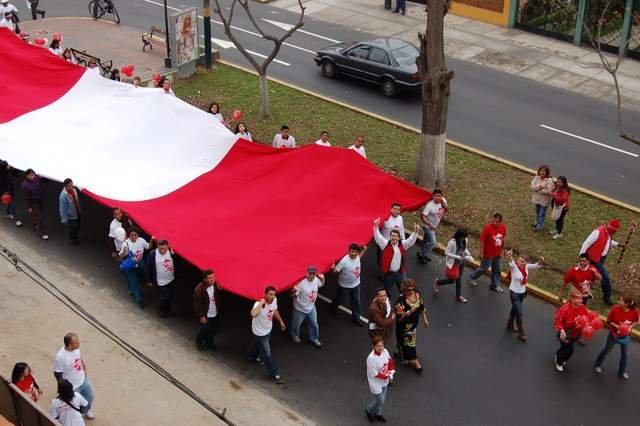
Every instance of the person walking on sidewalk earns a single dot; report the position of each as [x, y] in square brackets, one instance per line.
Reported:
[161, 273]
[401, 6]
[23, 379]
[541, 187]
[560, 197]
[409, 308]
[431, 217]
[69, 365]
[33, 5]
[305, 294]
[7, 186]
[380, 370]
[70, 210]
[205, 306]
[568, 331]
[596, 247]
[67, 407]
[455, 254]
[32, 190]
[348, 270]
[492, 241]
[262, 314]
[518, 275]
[581, 278]
[394, 255]
[624, 313]
[381, 316]
[132, 254]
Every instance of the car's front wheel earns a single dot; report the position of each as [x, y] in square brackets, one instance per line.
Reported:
[388, 88]
[328, 69]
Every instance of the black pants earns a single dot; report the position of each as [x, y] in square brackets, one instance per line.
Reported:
[73, 227]
[560, 222]
[34, 9]
[387, 4]
[207, 333]
[166, 297]
[566, 350]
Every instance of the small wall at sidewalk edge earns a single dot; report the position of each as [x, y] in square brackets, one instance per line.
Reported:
[492, 11]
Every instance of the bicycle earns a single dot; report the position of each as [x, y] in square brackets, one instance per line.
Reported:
[98, 8]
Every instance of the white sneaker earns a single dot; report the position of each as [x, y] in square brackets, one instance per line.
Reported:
[624, 376]
[597, 369]
[18, 222]
[89, 415]
[473, 282]
[559, 367]
[556, 236]
[10, 216]
[553, 232]
[46, 237]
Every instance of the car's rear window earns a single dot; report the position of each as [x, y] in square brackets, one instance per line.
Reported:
[405, 55]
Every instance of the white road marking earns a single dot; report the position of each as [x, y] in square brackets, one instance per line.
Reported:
[622, 151]
[342, 308]
[227, 45]
[236, 28]
[287, 27]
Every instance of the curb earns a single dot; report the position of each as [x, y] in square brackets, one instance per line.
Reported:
[534, 290]
[451, 142]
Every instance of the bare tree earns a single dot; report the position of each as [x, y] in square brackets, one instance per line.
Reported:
[436, 90]
[261, 69]
[610, 65]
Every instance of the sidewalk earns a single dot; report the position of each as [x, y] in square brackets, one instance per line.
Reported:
[517, 52]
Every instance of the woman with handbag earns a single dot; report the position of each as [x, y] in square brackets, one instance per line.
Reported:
[517, 275]
[409, 309]
[132, 263]
[456, 253]
[560, 201]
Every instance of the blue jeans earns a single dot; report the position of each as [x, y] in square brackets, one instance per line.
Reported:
[605, 283]
[354, 295]
[541, 212]
[261, 348]
[495, 263]
[133, 278]
[86, 390]
[377, 405]
[401, 5]
[312, 321]
[391, 278]
[429, 241]
[611, 342]
[517, 299]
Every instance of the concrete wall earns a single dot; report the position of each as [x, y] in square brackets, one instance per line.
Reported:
[491, 11]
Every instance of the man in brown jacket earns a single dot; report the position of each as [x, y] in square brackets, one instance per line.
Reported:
[206, 310]
[381, 316]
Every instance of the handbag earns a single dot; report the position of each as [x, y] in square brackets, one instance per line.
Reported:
[453, 273]
[557, 211]
[129, 262]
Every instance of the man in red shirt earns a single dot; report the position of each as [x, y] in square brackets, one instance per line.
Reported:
[492, 240]
[568, 330]
[625, 312]
[581, 278]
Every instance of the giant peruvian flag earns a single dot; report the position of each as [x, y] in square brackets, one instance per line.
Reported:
[256, 215]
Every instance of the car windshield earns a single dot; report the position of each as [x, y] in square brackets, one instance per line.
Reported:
[406, 55]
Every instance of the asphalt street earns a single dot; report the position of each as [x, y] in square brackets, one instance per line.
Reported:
[475, 372]
[490, 110]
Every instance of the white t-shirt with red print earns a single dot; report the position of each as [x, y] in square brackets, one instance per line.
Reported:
[434, 212]
[380, 368]
[137, 248]
[68, 416]
[349, 272]
[213, 308]
[69, 363]
[306, 295]
[261, 325]
[164, 268]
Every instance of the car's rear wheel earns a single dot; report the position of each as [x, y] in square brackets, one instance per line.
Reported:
[328, 69]
[388, 88]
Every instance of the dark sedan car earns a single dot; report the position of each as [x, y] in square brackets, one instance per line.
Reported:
[389, 62]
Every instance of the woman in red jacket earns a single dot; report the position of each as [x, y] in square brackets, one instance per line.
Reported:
[560, 196]
[625, 312]
[568, 330]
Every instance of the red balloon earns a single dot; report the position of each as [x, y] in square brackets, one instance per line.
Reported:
[237, 115]
[39, 41]
[57, 36]
[587, 332]
[156, 76]
[592, 315]
[582, 320]
[624, 329]
[597, 324]
[6, 199]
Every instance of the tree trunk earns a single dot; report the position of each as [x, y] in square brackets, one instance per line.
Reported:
[264, 96]
[436, 89]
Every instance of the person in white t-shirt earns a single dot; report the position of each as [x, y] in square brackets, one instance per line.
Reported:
[67, 407]
[305, 294]
[70, 366]
[134, 248]
[357, 146]
[205, 306]
[120, 220]
[431, 216]
[166, 87]
[324, 139]
[93, 66]
[395, 221]
[380, 370]
[161, 273]
[243, 132]
[518, 276]
[284, 139]
[348, 270]
[262, 315]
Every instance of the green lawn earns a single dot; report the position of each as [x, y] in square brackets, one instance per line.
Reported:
[477, 187]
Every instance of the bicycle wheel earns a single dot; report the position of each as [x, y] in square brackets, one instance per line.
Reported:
[116, 17]
[95, 9]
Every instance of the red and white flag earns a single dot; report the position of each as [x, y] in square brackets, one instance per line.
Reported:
[256, 215]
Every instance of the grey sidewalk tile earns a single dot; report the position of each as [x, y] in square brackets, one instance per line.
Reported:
[499, 33]
[539, 72]
[310, 8]
[506, 47]
[411, 36]
[334, 15]
[566, 80]
[594, 88]
[500, 61]
[568, 50]
[571, 66]
[374, 25]
[460, 35]
[453, 20]
[630, 67]
[451, 46]
[477, 27]
[466, 52]
[532, 40]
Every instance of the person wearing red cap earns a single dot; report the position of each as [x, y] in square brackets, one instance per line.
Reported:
[596, 247]
[568, 330]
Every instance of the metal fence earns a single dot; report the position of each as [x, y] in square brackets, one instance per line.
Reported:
[19, 409]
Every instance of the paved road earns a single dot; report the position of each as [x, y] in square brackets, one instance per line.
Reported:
[475, 372]
[490, 110]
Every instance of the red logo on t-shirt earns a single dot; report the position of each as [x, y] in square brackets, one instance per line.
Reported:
[312, 296]
[497, 239]
[77, 365]
[168, 265]
[138, 255]
[270, 315]
[356, 272]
